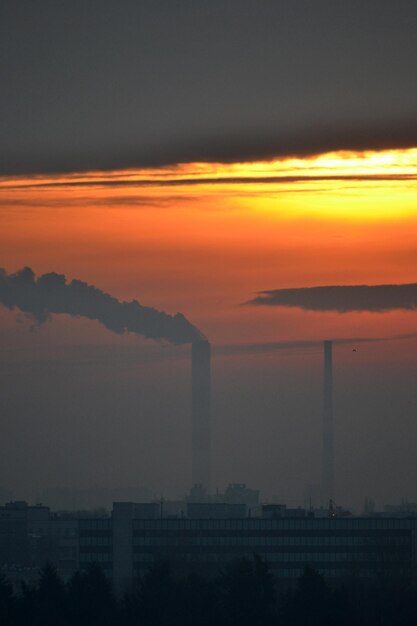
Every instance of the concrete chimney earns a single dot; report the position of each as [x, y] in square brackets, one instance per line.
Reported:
[201, 380]
[328, 452]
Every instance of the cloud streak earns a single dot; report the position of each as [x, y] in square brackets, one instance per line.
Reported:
[219, 180]
[51, 293]
[342, 299]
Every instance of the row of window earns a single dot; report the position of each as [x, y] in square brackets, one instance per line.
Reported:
[255, 524]
[328, 572]
[96, 549]
[54, 531]
[275, 524]
[330, 557]
[307, 558]
[95, 524]
[96, 557]
[96, 541]
[272, 540]
[67, 553]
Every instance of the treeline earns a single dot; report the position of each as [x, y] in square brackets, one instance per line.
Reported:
[243, 594]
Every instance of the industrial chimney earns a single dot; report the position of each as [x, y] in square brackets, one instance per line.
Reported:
[201, 413]
[328, 453]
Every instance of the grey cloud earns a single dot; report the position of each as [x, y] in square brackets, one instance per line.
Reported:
[51, 293]
[343, 299]
[228, 147]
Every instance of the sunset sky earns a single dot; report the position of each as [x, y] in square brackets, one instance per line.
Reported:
[190, 156]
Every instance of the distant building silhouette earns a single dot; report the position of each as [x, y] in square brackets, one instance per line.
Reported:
[30, 536]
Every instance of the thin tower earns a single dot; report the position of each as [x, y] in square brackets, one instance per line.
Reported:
[328, 451]
[201, 383]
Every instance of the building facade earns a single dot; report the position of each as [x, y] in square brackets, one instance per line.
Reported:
[136, 536]
[336, 547]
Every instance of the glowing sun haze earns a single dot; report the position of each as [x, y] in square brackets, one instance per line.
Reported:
[202, 239]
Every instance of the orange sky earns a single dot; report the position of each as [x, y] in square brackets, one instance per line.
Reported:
[203, 238]
[180, 239]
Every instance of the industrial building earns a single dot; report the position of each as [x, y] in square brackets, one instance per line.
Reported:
[126, 544]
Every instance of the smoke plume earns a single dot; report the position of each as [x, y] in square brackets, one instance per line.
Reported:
[51, 293]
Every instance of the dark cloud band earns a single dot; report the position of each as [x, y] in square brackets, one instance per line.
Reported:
[240, 146]
[343, 299]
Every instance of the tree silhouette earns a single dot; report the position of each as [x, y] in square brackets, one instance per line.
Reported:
[312, 603]
[91, 598]
[159, 604]
[197, 601]
[50, 598]
[243, 594]
[7, 602]
[26, 605]
[247, 594]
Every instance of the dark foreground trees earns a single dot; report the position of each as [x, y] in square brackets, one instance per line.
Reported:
[243, 594]
[246, 594]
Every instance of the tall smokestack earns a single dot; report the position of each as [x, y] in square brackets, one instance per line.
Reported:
[328, 452]
[201, 379]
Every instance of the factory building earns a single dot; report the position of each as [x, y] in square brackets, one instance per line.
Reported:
[287, 539]
[136, 536]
